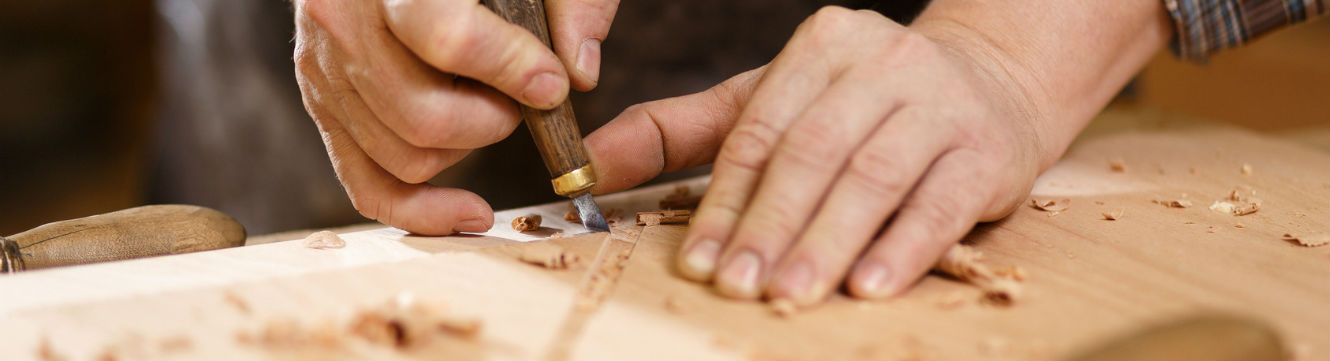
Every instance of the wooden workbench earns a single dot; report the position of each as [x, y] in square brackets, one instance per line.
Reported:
[1089, 279]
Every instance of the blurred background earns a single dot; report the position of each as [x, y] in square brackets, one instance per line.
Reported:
[110, 105]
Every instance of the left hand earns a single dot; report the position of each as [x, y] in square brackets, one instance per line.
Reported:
[859, 155]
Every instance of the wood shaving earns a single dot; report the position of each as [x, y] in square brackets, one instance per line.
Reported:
[1246, 169]
[1052, 206]
[680, 199]
[1117, 165]
[782, 307]
[655, 218]
[1114, 214]
[47, 353]
[1314, 240]
[324, 240]
[1177, 203]
[527, 223]
[965, 264]
[235, 301]
[1015, 273]
[556, 235]
[571, 215]
[548, 255]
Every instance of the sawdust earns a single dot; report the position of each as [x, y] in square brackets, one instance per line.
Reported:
[1053, 207]
[527, 223]
[966, 264]
[655, 218]
[680, 199]
[324, 240]
[549, 255]
[1313, 240]
[1117, 165]
[1114, 214]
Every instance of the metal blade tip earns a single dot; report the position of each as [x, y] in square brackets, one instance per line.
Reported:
[590, 213]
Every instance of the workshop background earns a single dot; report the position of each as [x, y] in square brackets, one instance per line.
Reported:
[110, 105]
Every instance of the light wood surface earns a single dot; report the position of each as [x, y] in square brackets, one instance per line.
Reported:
[1089, 279]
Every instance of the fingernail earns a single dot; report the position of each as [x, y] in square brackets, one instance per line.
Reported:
[543, 89]
[794, 283]
[739, 278]
[871, 280]
[588, 59]
[700, 262]
[471, 225]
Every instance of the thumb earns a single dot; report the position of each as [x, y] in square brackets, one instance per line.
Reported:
[577, 27]
[668, 134]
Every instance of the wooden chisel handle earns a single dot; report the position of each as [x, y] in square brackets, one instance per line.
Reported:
[555, 130]
[131, 233]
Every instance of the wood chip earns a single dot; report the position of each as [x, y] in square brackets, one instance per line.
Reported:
[1177, 203]
[1314, 240]
[1053, 207]
[324, 240]
[527, 223]
[1114, 214]
[655, 218]
[548, 255]
[1117, 165]
[782, 307]
[1015, 273]
[235, 301]
[965, 264]
[1246, 169]
[680, 199]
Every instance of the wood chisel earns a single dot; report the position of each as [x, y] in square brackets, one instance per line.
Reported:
[125, 234]
[555, 131]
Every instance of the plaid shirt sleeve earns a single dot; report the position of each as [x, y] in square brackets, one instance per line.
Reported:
[1205, 27]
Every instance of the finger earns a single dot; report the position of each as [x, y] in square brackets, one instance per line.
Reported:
[872, 184]
[577, 28]
[667, 135]
[417, 208]
[941, 210]
[465, 38]
[803, 164]
[785, 90]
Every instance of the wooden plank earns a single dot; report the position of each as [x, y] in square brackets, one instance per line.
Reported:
[1089, 278]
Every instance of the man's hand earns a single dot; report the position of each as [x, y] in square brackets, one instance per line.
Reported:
[402, 89]
[859, 155]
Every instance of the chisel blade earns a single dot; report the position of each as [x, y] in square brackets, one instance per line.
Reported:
[590, 213]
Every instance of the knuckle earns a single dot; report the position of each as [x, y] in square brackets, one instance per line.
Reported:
[817, 145]
[747, 146]
[317, 10]
[451, 41]
[878, 172]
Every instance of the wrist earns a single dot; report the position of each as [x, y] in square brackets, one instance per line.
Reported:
[1018, 91]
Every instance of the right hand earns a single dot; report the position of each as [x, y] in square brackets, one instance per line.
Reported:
[402, 89]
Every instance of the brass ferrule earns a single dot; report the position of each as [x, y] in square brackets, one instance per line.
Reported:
[575, 182]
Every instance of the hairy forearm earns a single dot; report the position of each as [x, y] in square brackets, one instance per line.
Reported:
[1066, 58]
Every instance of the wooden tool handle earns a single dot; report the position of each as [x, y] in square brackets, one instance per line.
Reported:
[555, 130]
[131, 233]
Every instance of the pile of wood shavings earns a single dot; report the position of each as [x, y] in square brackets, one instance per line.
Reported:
[965, 263]
[1239, 203]
[324, 240]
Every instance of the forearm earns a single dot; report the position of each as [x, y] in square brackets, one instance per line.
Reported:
[1067, 58]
